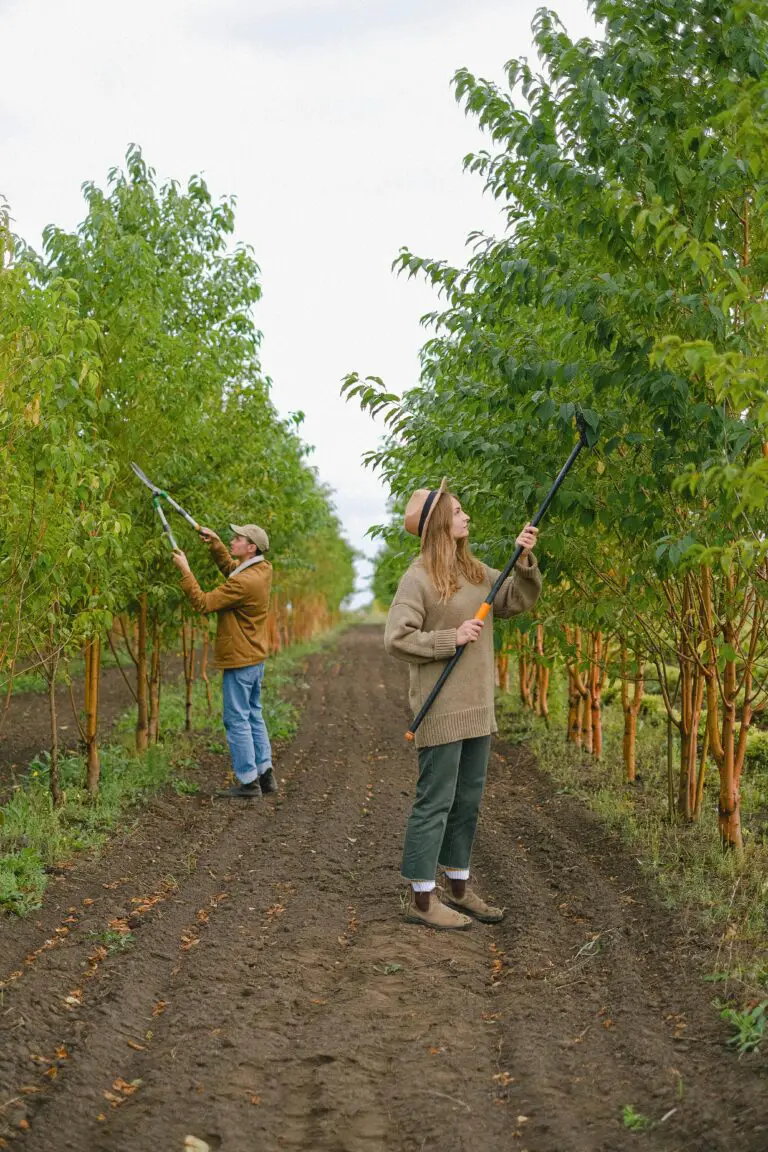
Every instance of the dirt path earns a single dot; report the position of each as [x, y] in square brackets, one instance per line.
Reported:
[274, 999]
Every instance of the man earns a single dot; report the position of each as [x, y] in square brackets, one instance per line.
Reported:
[240, 604]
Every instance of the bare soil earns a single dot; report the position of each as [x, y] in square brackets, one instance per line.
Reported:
[272, 997]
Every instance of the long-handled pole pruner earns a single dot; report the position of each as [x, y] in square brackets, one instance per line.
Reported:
[485, 607]
[159, 494]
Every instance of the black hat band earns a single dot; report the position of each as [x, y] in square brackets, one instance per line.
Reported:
[425, 510]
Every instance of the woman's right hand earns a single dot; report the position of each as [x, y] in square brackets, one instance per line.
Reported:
[208, 535]
[468, 632]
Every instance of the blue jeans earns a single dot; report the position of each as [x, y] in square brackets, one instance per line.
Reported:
[247, 734]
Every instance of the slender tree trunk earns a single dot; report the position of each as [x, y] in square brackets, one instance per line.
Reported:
[188, 651]
[204, 670]
[631, 709]
[55, 783]
[729, 808]
[727, 753]
[142, 706]
[92, 671]
[579, 711]
[596, 682]
[542, 676]
[670, 769]
[701, 780]
[153, 721]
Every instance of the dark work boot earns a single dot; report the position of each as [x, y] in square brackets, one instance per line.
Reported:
[268, 782]
[240, 791]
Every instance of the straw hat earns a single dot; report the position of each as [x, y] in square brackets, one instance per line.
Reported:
[420, 507]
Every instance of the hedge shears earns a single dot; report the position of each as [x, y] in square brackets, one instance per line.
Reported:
[159, 494]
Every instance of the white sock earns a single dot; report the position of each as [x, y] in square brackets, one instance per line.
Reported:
[423, 885]
[457, 873]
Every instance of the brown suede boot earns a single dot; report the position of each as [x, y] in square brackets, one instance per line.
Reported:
[437, 915]
[471, 903]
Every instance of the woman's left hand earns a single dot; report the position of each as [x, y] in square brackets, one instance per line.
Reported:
[527, 539]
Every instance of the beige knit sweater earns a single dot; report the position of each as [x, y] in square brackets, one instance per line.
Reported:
[422, 631]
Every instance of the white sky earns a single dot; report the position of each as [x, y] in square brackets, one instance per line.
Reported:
[334, 124]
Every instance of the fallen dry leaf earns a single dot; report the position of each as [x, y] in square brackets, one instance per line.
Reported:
[136, 1047]
[127, 1088]
[159, 1007]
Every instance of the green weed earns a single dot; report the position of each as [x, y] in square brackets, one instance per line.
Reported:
[22, 881]
[185, 788]
[748, 1027]
[113, 940]
[635, 1121]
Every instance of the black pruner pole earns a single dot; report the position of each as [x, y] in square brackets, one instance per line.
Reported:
[485, 607]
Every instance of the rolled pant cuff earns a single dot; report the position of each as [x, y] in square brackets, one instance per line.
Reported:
[249, 776]
[262, 768]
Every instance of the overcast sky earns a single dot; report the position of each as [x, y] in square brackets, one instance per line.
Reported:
[334, 124]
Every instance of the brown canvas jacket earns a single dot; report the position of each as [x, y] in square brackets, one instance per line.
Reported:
[241, 605]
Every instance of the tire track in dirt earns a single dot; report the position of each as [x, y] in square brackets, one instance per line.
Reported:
[274, 997]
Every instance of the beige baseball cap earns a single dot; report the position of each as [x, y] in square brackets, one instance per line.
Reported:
[253, 533]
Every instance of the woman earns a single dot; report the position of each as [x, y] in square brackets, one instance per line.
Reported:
[431, 615]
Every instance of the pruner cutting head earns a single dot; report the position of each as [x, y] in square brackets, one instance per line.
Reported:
[145, 480]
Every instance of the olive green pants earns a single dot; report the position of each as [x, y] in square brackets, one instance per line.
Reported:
[441, 827]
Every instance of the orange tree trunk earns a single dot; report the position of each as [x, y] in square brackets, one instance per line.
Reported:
[204, 670]
[542, 676]
[154, 683]
[188, 654]
[92, 671]
[596, 682]
[631, 709]
[525, 671]
[142, 702]
[53, 669]
[727, 752]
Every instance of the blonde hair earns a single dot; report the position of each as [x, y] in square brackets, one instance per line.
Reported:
[445, 558]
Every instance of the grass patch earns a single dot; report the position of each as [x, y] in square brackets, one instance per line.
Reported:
[36, 838]
[689, 869]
